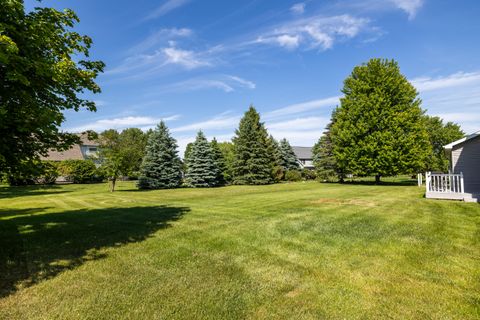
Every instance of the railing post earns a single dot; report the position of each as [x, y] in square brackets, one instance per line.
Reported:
[461, 183]
[427, 181]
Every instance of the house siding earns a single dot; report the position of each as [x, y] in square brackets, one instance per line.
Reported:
[466, 159]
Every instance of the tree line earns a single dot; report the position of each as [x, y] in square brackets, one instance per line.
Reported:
[253, 157]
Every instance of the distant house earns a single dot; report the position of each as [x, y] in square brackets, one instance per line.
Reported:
[463, 181]
[86, 149]
[305, 157]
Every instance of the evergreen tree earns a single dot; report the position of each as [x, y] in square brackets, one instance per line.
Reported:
[378, 128]
[220, 161]
[161, 166]
[275, 154]
[324, 159]
[228, 153]
[288, 160]
[252, 164]
[202, 169]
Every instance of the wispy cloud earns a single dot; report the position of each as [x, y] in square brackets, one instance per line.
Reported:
[226, 83]
[317, 32]
[298, 8]
[143, 65]
[165, 8]
[121, 123]
[303, 107]
[411, 7]
[160, 37]
[454, 97]
[453, 80]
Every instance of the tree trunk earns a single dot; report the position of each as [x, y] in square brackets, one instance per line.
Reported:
[112, 184]
[377, 179]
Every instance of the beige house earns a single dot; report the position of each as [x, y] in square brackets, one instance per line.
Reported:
[86, 149]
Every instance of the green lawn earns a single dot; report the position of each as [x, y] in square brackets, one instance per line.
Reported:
[288, 251]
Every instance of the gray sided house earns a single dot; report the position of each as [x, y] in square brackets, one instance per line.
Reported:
[463, 180]
[304, 156]
[464, 157]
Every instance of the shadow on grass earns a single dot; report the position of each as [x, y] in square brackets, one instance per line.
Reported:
[38, 247]
[37, 190]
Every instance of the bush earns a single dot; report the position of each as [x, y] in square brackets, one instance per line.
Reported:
[33, 172]
[79, 171]
[49, 173]
[308, 174]
[278, 173]
[293, 175]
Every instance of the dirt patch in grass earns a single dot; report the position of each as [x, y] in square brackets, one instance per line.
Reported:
[354, 202]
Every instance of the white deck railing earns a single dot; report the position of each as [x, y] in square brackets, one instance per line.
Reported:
[444, 182]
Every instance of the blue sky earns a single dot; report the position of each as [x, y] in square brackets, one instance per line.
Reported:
[200, 64]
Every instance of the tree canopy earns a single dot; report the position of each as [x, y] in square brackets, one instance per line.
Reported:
[379, 127]
[440, 134]
[44, 70]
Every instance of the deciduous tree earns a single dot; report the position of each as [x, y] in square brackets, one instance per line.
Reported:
[44, 70]
[379, 128]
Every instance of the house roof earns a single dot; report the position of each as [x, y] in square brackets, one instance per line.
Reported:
[303, 152]
[74, 153]
[460, 141]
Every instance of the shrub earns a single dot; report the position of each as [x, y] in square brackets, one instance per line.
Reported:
[293, 175]
[308, 174]
[48, 173]
[79, 171]
[278, 173]
[33, 172]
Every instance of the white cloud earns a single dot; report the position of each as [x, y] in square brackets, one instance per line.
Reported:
[453, 80]
[220, 122]
[245, 83]
[317, 32]
[165, 8]
[121, 123]
[298, 8]
[303, 107]
[185, 58]
[411, 7]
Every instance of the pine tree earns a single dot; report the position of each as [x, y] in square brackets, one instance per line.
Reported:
[378, 127]
[252, 164]
[288, 160]
[202, 169]
[275, 155]
[161, 167]
[220, 161]
[323, 158]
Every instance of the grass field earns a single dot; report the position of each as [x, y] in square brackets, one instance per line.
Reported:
[288, 251]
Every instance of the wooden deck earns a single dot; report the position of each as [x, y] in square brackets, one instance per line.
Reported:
[448, 186]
